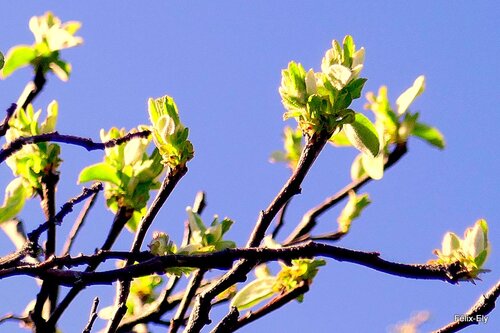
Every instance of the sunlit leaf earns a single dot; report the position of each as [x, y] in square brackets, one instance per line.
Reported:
[100, 171]
[254, 293]
[407, 97]
[15, 196]
[363, 135]
[17, 57]
[429, 134]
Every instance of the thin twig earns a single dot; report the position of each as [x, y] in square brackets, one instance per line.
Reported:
[148, 264]
[271, 306]
[92, 317]
[200, 314]
[192, 287]
[121, 217]
[308, 221]
[4, 126]
[163, 303]
[65, 210]
[228, 322]
[86, 143]
[280, 220]
[476, 314]
[80, 220]
[123, 287]
[48, 291]
[35, 87]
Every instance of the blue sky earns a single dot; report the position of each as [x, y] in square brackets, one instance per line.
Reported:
[221, 61]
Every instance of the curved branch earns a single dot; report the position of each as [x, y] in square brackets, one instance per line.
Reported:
[123, 288]
[308, 221]
[476, 314]
[86, 143]
[4, 126]
[149, 264]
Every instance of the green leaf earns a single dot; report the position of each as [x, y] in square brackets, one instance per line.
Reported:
[373, 166]
[2, 60]
[363, 135]
[340, 140]
[407, 97]
[100, 171]
[430, 134]
[15, 196]
[355, 87]
[352, 210]
[357, 170]
[254, 293]
[17, 57]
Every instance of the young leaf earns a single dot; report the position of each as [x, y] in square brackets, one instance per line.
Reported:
[2, 60]
[15, 196]
[407, 97]
[352, 210]
[430, 134]
[363, 135]
[373, 166]
[254, 293]
[17, 57]
[100, 171]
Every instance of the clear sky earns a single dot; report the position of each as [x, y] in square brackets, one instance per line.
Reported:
[221, 61]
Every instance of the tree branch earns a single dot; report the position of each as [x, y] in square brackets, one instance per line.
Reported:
[123, 288]
[200, 314]
[148, 264]
[86, 143]
[80, 220]
[271, 306]
[121, 217]
[4, 126]
[476, 314]
[48, 292]
[308, 221]
[163, 303]
[92, 317]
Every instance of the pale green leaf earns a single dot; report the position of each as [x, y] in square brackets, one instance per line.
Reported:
[430, 134]
[15, 196]
[17, 57]
[254, 293]
[407, 97]
[340, 140]
[373, 166]
[352, 210]
[100, 171]
[363, 135]
[357, 170]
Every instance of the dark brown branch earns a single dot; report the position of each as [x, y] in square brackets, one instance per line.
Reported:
[280, 220]
[48, 292]
[200, 314]
[86, 143]
[121, 217]
[92, 317]
[4, 126]
[80, 220]
[227, 323]
[35, 86]
[163, 303]
[292, 187]
[308, 221]
[191, 289]
[271, 306]
[477, 313]
[148, 264]
[123, 288]
[65, 210]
